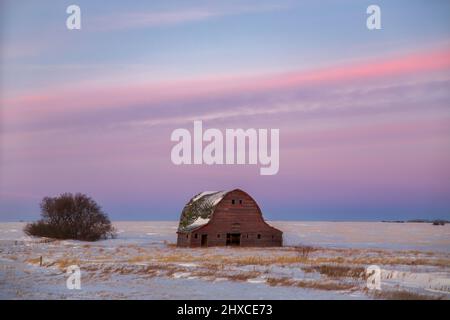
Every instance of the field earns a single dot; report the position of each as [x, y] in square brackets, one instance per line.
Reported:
[320, 260]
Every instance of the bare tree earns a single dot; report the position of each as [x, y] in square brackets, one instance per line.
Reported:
[71, 217]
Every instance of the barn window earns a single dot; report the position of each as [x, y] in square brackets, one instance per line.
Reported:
[187, 236]
[259, 236]
[233, 201]
[247, 235]
[218, 235]
[195, 236]
[240, 201]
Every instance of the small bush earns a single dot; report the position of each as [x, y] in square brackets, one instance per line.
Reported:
[71, 216]
[304, 251]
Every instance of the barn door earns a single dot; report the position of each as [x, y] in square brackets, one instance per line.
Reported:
[204, 240]
[233, 239]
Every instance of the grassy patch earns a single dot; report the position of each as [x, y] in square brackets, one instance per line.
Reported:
[33, 260]
[337, 271]
[65, 262]
[304, 251]
[402, 295]
[258, 260]
[243, 276]
[313, 284]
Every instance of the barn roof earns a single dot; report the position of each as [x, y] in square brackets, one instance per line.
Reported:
[198, 211]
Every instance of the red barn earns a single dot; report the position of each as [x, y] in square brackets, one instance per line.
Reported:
[225, 218]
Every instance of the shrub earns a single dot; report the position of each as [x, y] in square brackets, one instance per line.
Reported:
[71, 217]
[304, 251]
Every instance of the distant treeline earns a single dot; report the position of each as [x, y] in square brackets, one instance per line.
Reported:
[434, 222]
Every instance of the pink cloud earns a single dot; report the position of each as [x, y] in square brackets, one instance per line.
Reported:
[94, 96]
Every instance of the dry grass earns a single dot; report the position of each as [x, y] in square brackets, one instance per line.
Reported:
[141, 250]
[213, 274]
[304, 251]
[170, 245]
[401, 261]
[328, 260]
[321, 264]
[177, 258]
[171, 271]
[383, 260]
[220, 259]
[139, 259]
[243, 276]
[291, 255]
[107, 270]
[205, 273]
[214, 266]
[33, 260]
[402, 295]
[91, 267]
[65, 262]
[258, 260]
[280, 282]
[147, 270]
[328, 286]
[313, 284]
[337, 271]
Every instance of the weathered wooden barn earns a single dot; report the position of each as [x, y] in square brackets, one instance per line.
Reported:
[225, 218]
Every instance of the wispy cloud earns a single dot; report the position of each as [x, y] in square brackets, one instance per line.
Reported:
[282, 92]
[149, 19]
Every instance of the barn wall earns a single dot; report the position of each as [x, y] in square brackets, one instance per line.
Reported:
[244, 218]
[183, 239]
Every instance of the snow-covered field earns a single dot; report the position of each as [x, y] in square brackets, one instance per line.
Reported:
[320, 260]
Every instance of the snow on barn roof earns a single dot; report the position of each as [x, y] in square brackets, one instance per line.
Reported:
[198, 211]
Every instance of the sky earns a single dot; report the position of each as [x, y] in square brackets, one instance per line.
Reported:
[364, 115]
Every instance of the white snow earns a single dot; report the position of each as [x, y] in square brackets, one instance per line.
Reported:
[204, 193]
[198, 222]
[142, 262]
[188, 265]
